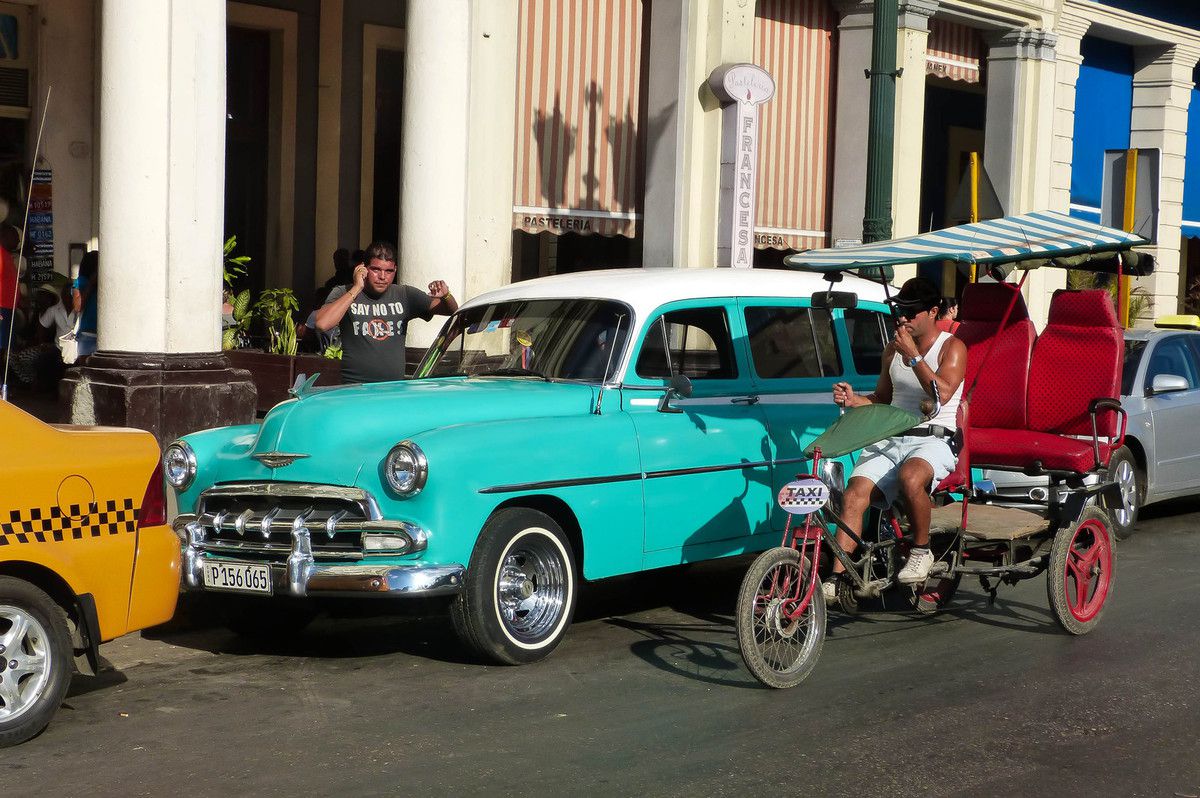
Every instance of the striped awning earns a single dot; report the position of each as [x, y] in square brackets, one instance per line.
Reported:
[578, 165]
[954, 51]
[1042, 234]
[794, 40]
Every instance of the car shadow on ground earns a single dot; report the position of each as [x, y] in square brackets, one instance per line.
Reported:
[350, 628]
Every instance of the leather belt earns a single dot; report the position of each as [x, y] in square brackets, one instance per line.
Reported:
[932, 431]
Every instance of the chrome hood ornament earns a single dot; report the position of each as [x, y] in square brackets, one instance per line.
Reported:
[278, 459]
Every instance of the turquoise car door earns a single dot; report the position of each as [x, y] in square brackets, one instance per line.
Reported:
[797, 353]
[706, 466]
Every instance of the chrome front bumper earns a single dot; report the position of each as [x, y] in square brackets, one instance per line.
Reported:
[301, 575]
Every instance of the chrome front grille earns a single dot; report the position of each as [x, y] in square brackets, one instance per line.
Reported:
[259, 520]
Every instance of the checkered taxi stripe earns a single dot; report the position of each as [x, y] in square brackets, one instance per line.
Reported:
[76, 523]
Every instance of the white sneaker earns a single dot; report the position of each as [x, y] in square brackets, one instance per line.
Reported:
[829, 589]
[920, 560]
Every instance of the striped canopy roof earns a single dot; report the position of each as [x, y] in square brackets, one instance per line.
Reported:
[1039, 235]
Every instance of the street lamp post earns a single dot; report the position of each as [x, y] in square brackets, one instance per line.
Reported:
[877, 219]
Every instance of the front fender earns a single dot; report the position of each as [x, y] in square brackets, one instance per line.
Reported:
[220, 455]
[590, 462]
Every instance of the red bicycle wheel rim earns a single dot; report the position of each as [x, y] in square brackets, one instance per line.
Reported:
[1088, 570]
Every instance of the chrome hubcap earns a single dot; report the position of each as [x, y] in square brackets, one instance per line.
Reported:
[1127, 483]
[531, 590]
[24, 664]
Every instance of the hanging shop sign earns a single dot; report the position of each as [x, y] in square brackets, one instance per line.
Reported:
[741, 88]
[39, 246]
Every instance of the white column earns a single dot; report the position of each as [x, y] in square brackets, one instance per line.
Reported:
[853, 100]
[491, 145]
[1067, 60]
[912, 42]
[850, 127]
[1162, 89]
[683, 126]
[1020, 115]
[162, 170]
[1019, 137]
[434, 151]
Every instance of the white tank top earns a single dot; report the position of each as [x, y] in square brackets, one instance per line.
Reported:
[908, 394]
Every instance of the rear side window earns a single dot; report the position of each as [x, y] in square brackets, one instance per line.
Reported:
[791, 342]
[698, 345]
[868, 334]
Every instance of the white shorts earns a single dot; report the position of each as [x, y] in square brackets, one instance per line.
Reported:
[880, 462]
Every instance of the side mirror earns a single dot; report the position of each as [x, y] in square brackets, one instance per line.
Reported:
[1168, 383]
[829, 300]
[680, 387]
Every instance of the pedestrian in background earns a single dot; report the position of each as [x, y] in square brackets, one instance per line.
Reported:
[85, 299]
[947, 320]
[9, 242]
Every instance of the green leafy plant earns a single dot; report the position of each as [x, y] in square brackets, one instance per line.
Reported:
[1141, 302]
[234, 265]
[275, 307]
[235, 336]
[333, 351]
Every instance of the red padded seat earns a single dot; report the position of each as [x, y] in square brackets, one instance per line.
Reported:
[1077, 359]
[1017, 448]
[999, 397]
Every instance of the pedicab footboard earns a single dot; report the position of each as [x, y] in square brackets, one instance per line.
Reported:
[989, 522]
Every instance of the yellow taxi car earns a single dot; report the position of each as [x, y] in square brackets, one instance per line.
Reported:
[86, 556]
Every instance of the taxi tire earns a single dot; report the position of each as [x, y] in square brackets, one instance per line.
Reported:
[475, 612]
[19, 593]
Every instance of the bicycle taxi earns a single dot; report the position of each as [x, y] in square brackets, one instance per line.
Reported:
[1043, 404]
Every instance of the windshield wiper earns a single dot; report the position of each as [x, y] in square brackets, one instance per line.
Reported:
[513, 371]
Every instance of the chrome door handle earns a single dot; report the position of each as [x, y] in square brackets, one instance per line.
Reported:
[744, 400]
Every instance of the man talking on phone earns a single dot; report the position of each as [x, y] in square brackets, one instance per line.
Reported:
[919, 357]
[372, 315]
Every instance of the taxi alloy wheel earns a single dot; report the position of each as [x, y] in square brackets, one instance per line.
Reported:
[520, 589]
[36, 662]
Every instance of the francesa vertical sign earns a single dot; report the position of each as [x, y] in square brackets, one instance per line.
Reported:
[741, 88]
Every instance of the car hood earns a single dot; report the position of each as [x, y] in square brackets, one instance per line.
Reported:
[340, 429]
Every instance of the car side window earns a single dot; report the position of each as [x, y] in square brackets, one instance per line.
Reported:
[868, 334]
[701, 347]
[1172, 356]
[792, 342]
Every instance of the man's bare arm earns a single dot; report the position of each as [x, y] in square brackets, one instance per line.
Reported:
[330, 314]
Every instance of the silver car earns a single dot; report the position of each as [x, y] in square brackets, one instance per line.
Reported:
[1160, 389]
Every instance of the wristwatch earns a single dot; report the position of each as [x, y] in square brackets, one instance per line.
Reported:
[912, 364]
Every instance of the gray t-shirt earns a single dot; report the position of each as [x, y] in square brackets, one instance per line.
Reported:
[372, 331]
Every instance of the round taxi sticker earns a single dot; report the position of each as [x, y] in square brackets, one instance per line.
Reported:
[803, 496]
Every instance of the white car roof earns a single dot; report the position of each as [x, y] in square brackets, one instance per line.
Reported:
[646, 289]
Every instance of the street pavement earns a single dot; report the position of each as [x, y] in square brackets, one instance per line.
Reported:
[648, 696]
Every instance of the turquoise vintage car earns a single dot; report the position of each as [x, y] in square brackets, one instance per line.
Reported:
[578, 426]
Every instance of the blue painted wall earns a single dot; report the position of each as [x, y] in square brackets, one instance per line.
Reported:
[1103, 110]
[1191, 170]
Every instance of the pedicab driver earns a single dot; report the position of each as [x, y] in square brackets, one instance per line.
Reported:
[911, 464]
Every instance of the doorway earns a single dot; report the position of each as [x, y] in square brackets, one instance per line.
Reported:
[954, 123]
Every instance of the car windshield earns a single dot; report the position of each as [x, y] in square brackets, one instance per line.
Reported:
[570, 339]
[1133, 356]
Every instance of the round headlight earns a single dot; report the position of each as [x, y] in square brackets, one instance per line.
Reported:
[406, 468]
[179, 465]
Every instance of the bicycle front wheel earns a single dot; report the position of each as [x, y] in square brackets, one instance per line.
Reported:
[779, 645]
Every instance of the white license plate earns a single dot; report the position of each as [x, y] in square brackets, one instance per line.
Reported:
[243, 577]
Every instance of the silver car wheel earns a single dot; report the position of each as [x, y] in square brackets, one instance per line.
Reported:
[1126, 481]
[531, 588]
[25, 662]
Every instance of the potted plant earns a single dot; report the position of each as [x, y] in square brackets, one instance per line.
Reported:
[275, 367]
